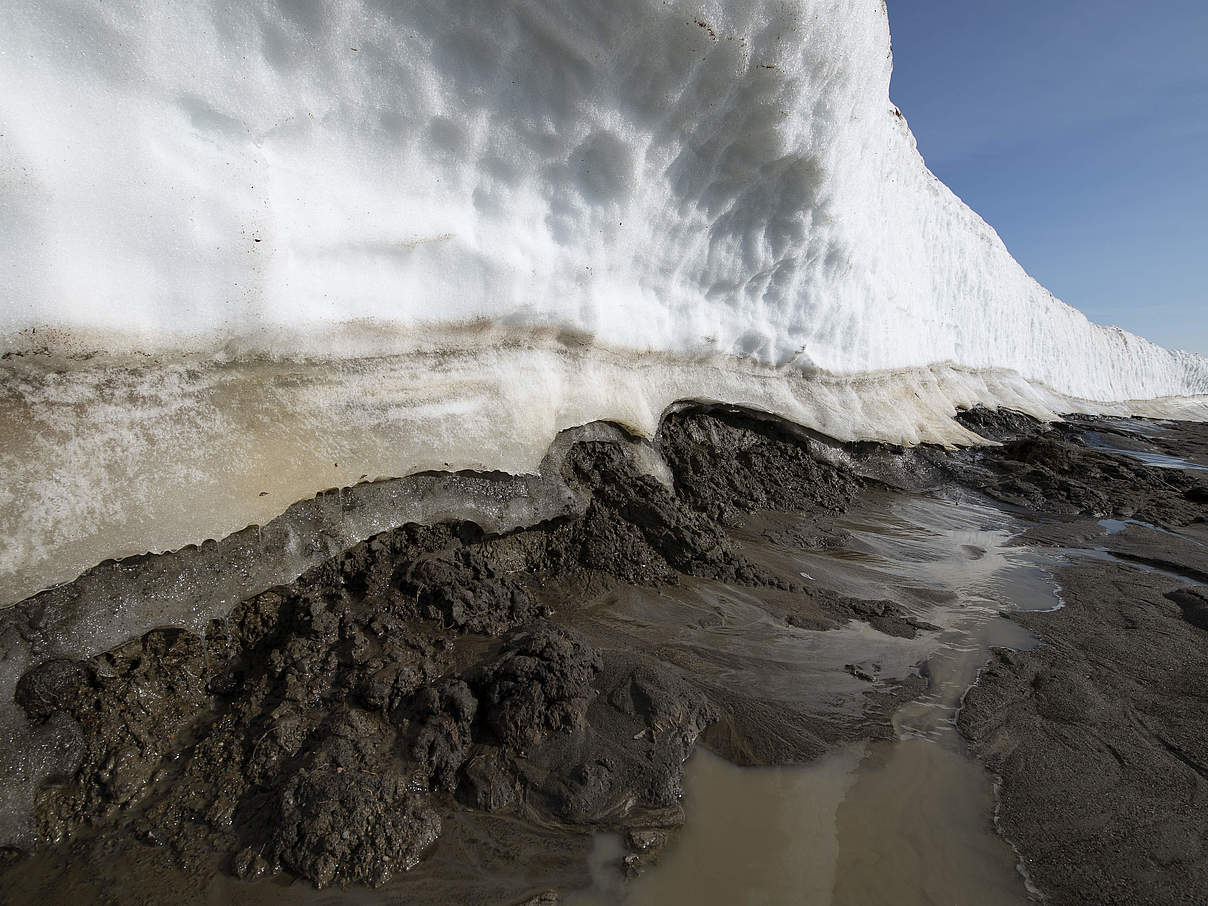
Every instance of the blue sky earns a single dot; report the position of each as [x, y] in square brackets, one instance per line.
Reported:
[1079, 131]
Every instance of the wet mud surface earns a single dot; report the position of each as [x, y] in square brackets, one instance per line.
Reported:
[1100, 734]
[445, 714]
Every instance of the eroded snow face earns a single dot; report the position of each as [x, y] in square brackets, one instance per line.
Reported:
[670, 176]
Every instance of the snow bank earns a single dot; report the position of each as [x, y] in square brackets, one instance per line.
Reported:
[682, 176]
[320, 240]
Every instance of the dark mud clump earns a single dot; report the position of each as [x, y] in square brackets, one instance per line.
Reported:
[338, 822]
[636, 529]
[335, 731]
[133, 707]
[999, 424]
[1075, 468]
[460, 589]
[727, 463]
[540, 684]
[332, 727]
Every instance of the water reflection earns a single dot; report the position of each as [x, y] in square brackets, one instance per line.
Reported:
[903, 821]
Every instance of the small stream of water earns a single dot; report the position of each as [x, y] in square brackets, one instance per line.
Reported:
[903, 821]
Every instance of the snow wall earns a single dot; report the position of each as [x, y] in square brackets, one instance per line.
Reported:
[257, 248]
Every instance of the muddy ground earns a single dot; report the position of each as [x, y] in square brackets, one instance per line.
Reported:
[438, 701]
[1100, 735]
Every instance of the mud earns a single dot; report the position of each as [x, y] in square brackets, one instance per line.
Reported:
[330, 728]
[1099, 734]
[465, 704]
[902, 819]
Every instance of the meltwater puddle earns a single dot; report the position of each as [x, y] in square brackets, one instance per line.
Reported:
[1110, 444]
[903, 821]
[1157, 460]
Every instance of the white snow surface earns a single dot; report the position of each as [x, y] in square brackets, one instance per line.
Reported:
[682, 177]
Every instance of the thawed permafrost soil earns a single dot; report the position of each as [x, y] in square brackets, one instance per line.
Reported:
[467, 715]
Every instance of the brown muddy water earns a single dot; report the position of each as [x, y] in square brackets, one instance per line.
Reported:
[902, 821]
[907, 820]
